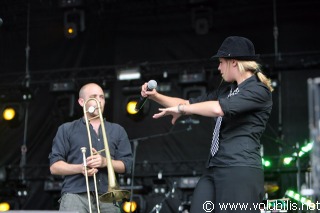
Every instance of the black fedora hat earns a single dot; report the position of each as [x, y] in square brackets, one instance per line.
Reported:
[236, 47]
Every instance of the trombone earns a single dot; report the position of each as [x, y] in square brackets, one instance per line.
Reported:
[114, 193]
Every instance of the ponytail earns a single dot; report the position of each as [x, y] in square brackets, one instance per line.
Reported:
[255, 68]
[264, 79]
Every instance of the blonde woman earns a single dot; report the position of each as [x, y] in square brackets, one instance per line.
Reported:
[241, 106]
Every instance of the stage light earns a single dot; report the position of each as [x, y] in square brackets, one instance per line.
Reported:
[12, 114]
[271, 187]
[129, 206]
[9, 113]
[298, 197]
[160, 186]
[4, 206]
[307, 147]
[71, 30]
[131, 107]
[202, 20]
[65, 86]
[73, 23]
[302, 151]
[191, 78]
[128, 74]
[287, 160]
[266, 163]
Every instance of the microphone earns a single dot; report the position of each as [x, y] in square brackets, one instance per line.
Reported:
[189, 121]
[152, 84]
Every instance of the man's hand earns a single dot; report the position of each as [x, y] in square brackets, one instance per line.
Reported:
[96, 160]
[90, 171]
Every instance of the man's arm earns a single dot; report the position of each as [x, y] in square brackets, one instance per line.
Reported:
[63, 168]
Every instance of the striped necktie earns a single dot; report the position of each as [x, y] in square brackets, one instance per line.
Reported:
[215, 137]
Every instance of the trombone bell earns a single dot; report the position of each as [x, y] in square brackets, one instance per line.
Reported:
[115, 195]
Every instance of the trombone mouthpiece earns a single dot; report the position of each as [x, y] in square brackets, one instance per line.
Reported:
[91, 109]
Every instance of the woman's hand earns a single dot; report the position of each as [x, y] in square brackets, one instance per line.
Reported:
[168, 111]
[147, 93]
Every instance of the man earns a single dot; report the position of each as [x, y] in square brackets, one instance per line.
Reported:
[66, 158]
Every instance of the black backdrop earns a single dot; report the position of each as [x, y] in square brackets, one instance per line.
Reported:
[180, 153]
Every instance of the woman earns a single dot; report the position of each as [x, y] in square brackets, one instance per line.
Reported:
[241, 105]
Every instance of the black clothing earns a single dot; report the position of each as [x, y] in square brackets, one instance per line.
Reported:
[235, 173]
[246, 113]
[235, 189]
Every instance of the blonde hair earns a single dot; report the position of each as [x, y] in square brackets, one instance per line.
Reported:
[256, 69]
